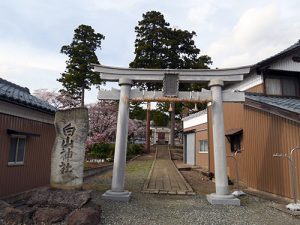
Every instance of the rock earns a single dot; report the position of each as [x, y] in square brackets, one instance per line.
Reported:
[93, 205]
[49, 215]
[69, 199]
[3, 204]
[12, 216]
[55, 197]
[84, 216]
[18, 216]
[69, 148]
[27, 214]
[39, 197]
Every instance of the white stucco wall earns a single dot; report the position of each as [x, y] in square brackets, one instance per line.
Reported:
[194, 120]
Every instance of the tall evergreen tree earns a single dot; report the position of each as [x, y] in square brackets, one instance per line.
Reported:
[78, 75]
[150, 42]
[159, 46]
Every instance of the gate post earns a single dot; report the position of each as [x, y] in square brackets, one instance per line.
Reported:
[222, 195]
[117, 191]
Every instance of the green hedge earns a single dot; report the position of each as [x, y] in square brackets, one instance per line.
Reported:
[134, 149]
[106, 151]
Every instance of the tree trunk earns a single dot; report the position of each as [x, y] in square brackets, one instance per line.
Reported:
[82, 96]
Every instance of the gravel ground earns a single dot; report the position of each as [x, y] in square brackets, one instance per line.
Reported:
[155, 209]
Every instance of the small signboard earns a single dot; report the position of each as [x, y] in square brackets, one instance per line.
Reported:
[170, 85]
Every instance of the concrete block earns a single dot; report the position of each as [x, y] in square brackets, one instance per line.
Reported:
[123, 196]
[222, 199]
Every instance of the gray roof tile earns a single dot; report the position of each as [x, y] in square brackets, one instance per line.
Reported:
[270, 59]
[286, 103]
[20, 95]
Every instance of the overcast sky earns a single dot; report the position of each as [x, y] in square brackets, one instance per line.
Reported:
[233, 32]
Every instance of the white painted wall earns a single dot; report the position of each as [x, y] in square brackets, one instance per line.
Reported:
[194, 121]
[286, 64]
[251, 81]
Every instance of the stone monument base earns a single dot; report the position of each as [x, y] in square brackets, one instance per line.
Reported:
[215, 199]
[123, 196]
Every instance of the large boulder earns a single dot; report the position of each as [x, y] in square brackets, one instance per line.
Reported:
[53, 197]
[48, 216]
[17, 216]
[84, 216]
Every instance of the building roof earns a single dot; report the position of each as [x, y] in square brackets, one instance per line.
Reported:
[16, 94]
[285, 103]
[195, 115]
[283, 53]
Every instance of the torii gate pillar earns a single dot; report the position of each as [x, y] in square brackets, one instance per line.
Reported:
[117, 191]
[222, 195]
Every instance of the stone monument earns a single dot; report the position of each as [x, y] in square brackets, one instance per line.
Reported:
[68, 152]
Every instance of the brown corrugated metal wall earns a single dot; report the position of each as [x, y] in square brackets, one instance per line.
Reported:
[263, 135]
[36, 169]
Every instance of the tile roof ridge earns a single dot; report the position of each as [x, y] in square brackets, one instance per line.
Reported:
[24, 89]
[270, 96]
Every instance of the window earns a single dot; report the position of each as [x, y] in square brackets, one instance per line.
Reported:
[17, 150]
[203, 146]
[234, 136]
[235, 143]
[286, 86]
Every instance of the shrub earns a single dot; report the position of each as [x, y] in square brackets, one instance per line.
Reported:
[100, 151]
[134, 149]
[106, 151]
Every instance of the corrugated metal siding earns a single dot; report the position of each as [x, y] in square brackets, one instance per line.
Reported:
[36, 169]
[263, 135]
[256, 89]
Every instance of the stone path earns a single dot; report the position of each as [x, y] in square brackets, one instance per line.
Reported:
[164, 178]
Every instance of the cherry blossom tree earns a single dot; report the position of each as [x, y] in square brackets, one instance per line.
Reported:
[102, 117]
[103, 124]
[58, 100]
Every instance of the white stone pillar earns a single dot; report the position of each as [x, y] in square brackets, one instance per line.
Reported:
[117, 191]
[222, 195]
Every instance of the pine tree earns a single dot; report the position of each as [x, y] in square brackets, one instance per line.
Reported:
[159, 46]
[78, 75]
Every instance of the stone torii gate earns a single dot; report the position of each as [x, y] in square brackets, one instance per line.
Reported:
[171, 78]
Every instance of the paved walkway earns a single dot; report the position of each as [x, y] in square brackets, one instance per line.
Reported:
[164, 178]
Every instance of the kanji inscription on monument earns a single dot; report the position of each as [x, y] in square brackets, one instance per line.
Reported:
[69, 148]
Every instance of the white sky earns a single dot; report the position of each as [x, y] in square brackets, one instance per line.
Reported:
[232, 32]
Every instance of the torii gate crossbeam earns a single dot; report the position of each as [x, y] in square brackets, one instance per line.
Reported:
[215, 79]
